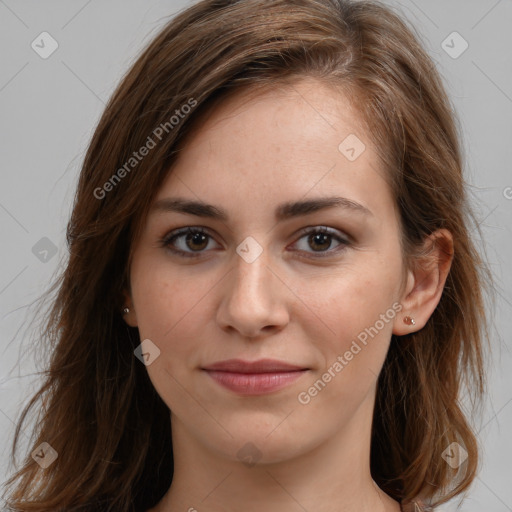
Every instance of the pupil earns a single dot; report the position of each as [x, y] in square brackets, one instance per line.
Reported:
[195, 237]
[321, 236]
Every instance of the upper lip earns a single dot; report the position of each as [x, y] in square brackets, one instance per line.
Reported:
[259, 366]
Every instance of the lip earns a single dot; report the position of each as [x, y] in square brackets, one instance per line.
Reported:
[254, 377]
[259, 366]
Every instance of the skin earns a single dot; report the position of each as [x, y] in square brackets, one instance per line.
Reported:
[251, 154]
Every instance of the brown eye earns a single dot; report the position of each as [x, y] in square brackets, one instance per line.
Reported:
[318, 242]
[322, 241]
[187, 242]
[196, 241]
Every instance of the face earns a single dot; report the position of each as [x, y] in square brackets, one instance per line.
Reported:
[315, 286]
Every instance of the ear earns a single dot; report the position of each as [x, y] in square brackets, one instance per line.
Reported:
[425, 283]
[131, 317]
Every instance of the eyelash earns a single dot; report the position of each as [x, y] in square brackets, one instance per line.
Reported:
[173, 235]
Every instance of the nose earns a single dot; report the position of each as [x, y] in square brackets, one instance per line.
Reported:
[254, 299]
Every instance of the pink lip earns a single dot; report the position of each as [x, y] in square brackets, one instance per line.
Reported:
[259, 366]
[254, 378]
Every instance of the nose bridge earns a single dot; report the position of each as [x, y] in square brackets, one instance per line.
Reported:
[251, 262]
[251, 282]
[251, 276]
[253, 298]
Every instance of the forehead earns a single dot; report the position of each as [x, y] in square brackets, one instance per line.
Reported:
[257, 109]
[261, 148]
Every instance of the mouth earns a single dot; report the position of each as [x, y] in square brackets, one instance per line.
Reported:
[254, 378]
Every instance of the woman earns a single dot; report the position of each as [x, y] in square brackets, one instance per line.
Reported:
[272, 299]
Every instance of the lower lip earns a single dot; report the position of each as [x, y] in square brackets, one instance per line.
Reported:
[255, 383]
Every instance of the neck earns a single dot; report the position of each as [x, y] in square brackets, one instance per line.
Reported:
[332, 477]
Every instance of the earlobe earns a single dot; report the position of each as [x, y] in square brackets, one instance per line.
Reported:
[425, 284]
[129, 316]
[128, 311]
[404, 322]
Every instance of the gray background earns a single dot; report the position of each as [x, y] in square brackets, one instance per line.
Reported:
[49, 108]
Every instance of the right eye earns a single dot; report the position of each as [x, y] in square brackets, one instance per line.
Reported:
[187, 242]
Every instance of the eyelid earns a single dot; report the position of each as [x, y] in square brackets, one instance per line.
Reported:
[325, 229]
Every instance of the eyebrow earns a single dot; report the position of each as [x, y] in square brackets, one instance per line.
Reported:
[284, 211]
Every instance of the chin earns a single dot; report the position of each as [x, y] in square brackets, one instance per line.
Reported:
[253, 446]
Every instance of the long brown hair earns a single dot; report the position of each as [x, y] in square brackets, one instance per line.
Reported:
[100, 412]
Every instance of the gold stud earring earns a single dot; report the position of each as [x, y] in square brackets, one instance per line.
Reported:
[409, 321]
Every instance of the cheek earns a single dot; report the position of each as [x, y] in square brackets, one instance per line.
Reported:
[352, 356]
[171, 312]
[359, 307]
[354, 298]
[170, 306]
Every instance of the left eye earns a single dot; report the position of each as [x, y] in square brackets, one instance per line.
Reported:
[322, 238]
[195, 240]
